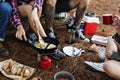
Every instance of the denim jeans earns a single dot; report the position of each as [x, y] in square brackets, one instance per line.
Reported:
[5, 14]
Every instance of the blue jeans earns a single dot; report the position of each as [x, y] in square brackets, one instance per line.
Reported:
[5, 14]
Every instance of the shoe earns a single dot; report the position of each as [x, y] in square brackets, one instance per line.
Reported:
[96, 66]
[57, 54]
[79, 34]
[3, 51]
[50, 34]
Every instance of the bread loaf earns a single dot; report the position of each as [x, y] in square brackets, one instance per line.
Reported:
[5, 66]
[19, 70]
[26, 72]
[14, 69]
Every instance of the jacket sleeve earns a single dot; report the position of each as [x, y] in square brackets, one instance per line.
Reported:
[15, 18]
[38, 3]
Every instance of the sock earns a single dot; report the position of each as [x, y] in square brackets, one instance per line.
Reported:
[80, 34]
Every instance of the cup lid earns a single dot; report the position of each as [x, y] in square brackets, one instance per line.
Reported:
[107, 14]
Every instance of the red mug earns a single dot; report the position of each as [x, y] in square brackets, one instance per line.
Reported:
[107, 19]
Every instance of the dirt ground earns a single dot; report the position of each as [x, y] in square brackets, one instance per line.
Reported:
[21, 52]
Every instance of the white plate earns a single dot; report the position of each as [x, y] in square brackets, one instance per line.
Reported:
[70, 51]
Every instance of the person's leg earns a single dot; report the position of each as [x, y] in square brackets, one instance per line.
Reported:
[81, 6]
[111, 48]
[112, 68]
[25, 11]
[5, 13]
[49, 12]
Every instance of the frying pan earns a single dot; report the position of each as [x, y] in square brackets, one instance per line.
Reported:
[33, 39]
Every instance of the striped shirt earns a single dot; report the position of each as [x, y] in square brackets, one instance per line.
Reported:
[15, 18]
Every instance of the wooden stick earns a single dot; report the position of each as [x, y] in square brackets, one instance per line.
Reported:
[39, 37]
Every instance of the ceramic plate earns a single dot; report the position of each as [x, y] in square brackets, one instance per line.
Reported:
[70, 51]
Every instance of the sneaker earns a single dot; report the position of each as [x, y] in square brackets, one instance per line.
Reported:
[50, 34]
[96, 66]
[3, 51]
[79, 34]
[57, 54]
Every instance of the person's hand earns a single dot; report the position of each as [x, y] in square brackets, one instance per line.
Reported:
[115, 20]
[116, 17]
[20, 34]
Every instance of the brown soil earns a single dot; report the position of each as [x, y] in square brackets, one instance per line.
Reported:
[21, 52]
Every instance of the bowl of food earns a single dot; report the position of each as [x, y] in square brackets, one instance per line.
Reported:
[63, 75]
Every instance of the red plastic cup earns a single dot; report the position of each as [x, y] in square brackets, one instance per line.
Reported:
[107, 19]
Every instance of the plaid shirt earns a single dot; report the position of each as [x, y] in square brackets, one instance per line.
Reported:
[15, 19]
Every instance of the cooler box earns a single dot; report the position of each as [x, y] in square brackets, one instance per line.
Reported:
[90, 25]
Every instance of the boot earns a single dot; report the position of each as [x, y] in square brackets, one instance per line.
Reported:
[3, 51]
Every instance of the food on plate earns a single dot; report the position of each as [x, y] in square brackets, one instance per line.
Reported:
[36, 78]
[5, 66]
[41, 45]
[12, 63]
[26, 72]
[38, 45]
[22, 72]
[14, 69]
[51, 46]
[19, 70]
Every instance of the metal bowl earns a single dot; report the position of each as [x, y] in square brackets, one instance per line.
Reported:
[63, 74]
